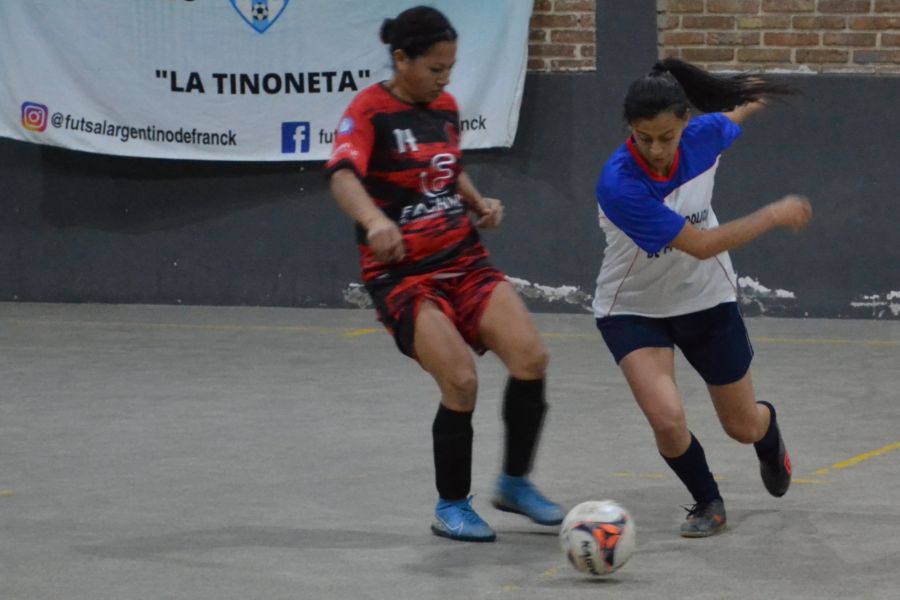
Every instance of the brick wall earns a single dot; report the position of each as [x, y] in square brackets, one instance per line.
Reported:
[563, 36]
[824, 36]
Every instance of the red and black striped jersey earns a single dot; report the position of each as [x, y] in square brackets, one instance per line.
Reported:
[408, 159]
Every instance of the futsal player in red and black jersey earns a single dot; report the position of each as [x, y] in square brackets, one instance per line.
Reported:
[397, 171]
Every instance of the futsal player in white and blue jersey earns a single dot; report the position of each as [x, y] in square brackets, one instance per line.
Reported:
[667, 280]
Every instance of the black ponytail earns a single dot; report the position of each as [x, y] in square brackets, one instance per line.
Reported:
[672, 85]
[416, 30]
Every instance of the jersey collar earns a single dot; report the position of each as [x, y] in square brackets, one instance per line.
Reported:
[646, 167]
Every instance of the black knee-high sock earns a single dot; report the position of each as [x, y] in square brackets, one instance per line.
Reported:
[452, 435]
[767, 447]
[693, 471]
[523, 413]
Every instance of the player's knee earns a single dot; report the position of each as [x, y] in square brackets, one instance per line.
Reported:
[538, 360]
[744, 433]
[460, 389]
[531, 363]
[669, 425]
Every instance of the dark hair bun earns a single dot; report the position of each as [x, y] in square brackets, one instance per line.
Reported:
[387, 28]
[415, 30]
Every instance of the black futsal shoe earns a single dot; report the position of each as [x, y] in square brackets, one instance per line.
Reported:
[776, 475]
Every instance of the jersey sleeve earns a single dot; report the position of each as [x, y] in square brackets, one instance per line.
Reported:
[353, 142]
[718, 129]
[648, 222]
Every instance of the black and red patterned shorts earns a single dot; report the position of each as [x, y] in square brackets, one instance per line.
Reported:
[462, 296]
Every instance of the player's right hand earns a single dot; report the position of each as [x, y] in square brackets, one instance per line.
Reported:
[792, 212]
[492, 214]
[385, 241]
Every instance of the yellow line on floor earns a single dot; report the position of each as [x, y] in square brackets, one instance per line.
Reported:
[351, 332]
[756, 339]
[186, 326]
[823, 341]
[844, 464]
[641, 475]
[359, 332]
[572, 336]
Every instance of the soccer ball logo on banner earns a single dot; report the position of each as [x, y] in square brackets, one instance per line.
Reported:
[260, 14]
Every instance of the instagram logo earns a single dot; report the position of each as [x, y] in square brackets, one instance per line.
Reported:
[34, 116]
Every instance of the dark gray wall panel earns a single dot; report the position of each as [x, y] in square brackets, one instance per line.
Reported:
[79, 227]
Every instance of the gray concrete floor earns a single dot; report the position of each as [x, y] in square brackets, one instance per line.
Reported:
[151, 452]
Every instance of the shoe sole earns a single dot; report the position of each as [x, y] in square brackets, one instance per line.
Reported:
[507, 508]
[461, 538]
[703, 534]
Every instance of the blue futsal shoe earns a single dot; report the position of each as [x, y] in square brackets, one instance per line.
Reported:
[457, 520]
[518, 495]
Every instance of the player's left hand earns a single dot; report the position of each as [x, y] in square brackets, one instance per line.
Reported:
[491, 214]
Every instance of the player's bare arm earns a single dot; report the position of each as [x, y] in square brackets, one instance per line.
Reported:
[489, 210]
[791, 212]
[743, 112]
[382, 234]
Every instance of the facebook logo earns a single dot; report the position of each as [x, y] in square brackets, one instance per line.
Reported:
[295, 137]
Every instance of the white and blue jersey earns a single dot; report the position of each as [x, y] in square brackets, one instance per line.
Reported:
[641, 212]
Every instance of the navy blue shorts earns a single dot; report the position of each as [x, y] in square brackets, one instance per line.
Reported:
[714, 341]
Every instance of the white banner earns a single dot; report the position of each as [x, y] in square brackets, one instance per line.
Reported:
[254, 80]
